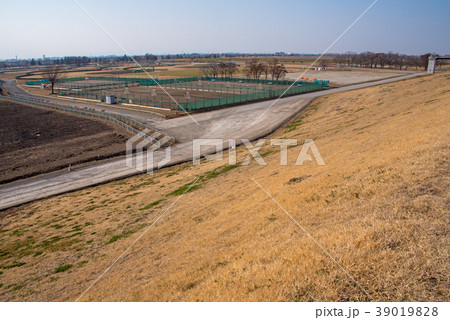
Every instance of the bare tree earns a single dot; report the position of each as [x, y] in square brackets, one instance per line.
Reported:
[205, 70]
[371, 59]
[214, 70]
[361, 59]
[248, 71]
[416, 61]
[277, 69]
[395, 60]
[227, 69]
[266, 70]
[339, 59]
[254, 68]
[380, 60]
[223, 69]
[231, 69]
[349, 57]
[53, 73]
[404, 61]
[389, 60]
[211, 70]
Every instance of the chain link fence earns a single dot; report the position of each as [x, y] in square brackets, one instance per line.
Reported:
[191, 93]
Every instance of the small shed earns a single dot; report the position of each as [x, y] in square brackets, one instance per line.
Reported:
[111, 99]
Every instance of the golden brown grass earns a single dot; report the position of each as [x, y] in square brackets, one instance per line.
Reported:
[379, 206]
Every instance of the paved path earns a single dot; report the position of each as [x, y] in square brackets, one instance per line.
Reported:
[228, 123]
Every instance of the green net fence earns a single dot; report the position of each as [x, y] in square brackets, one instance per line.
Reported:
[191, 93]
[248, 97]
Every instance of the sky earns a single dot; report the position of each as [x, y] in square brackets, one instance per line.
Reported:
[30, 28]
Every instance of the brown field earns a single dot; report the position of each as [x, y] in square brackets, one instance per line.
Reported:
[295, 68]
[34, 140]
[145, 93]
[158, 95]
[161, 72]
[197, 90]
[379, 206]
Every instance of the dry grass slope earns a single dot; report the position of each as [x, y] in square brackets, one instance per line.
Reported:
[380, 208]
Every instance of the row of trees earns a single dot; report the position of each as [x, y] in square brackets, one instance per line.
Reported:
[53, 73]
[256, 68]
[80, 61]
[365, 59]
[224, 69]
[381, 60]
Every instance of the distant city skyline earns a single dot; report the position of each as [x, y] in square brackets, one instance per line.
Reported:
[31, 29]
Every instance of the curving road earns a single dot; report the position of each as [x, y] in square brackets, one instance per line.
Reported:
[228, 123]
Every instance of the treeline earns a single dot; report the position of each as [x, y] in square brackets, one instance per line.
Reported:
[224, 69]
[79, 61]
[381, 60]
[253, 69]
[256, 68]
[84, 61]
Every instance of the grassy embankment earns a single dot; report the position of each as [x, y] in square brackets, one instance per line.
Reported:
[379, 206]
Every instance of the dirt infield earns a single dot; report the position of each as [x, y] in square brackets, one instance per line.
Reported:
[35, 141]
[198, 90]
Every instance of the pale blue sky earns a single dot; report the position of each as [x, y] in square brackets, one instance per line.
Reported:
[30, 28]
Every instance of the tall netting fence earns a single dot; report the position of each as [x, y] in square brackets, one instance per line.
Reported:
[190, 93]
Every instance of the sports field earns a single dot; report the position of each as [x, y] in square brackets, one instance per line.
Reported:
[182, 93]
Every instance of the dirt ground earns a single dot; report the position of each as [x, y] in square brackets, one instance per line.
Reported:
[347, 77]
[35, 140]
[197, 90]
[155, 95]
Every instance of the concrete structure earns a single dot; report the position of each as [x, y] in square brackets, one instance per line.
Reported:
[111, 99]
[432, 62]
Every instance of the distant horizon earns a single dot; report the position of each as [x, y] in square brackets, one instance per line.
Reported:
[285, 54]
[29, 29]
